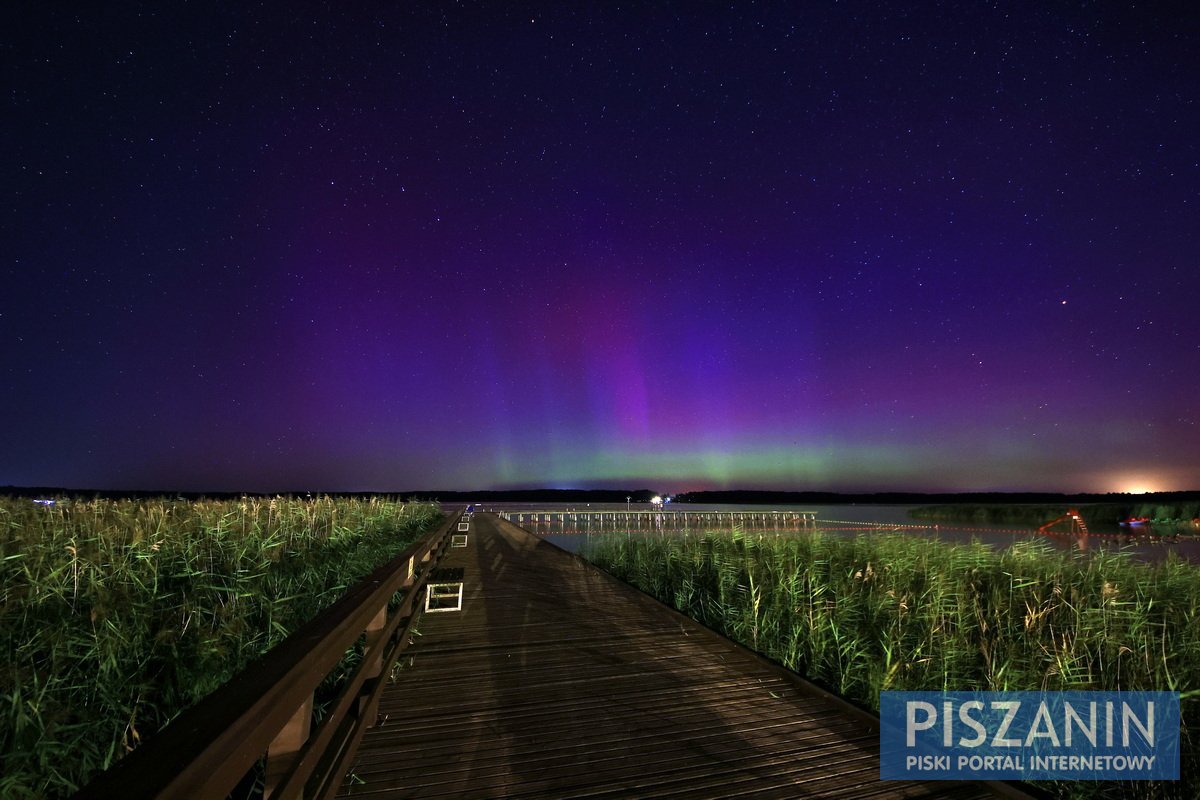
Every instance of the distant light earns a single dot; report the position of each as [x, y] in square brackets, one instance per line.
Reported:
[656, 500]
[1139, 483]
[44, 502]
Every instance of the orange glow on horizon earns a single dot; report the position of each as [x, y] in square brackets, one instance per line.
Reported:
[1140, 484]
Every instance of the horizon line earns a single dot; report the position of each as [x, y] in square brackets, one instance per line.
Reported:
[14, 489]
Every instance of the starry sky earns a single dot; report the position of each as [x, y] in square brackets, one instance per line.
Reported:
[848, 246]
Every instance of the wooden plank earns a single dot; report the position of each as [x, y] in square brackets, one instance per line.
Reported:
[557, 680]
[562, 765]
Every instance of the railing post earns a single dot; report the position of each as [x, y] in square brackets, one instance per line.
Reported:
[286, 745]
[373, 668]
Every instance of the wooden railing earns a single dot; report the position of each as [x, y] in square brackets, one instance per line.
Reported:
[267, 709]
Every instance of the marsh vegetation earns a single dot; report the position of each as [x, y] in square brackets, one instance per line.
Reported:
[1104, 515]
[117, 615]
[864, 614]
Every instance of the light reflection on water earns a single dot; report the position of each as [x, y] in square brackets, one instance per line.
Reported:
[850, 520]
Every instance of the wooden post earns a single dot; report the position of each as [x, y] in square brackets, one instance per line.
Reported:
[374, 666]
[286, 745]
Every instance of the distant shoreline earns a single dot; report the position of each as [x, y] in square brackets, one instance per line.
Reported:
[932, 498]
[739, 497]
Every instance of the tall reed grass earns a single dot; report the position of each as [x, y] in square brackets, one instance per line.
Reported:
[869, 613]
[1095, 514]
[1022, 514]
[117, 615]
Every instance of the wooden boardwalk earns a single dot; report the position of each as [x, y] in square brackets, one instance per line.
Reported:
[556, 680]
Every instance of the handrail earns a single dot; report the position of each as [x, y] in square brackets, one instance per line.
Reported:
[267, 708]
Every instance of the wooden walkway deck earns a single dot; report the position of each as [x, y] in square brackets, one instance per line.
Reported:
[556, 680]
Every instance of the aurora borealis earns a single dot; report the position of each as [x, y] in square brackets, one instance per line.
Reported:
[831, 246]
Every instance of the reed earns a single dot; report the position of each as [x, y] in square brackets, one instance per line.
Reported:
[863, 614]
[117, 615]
[1178, 514]
[1020, 514]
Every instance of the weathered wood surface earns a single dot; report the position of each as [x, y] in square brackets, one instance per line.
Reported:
[556, 680]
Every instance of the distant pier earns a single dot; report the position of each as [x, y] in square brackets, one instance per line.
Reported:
[663, 518]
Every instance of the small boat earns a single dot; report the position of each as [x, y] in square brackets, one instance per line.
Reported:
[1134, 521]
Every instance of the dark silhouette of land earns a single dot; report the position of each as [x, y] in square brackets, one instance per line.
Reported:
[556, 496]
[759, 497]
[487, 496]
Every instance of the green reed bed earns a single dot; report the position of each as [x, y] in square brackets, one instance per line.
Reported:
[117, 615]
[1179, 515]
[863, 614]
[1020, 514]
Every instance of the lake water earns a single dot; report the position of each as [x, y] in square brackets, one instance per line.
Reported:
[851, 520]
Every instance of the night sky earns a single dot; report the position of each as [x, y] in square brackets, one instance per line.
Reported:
[812, 246]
